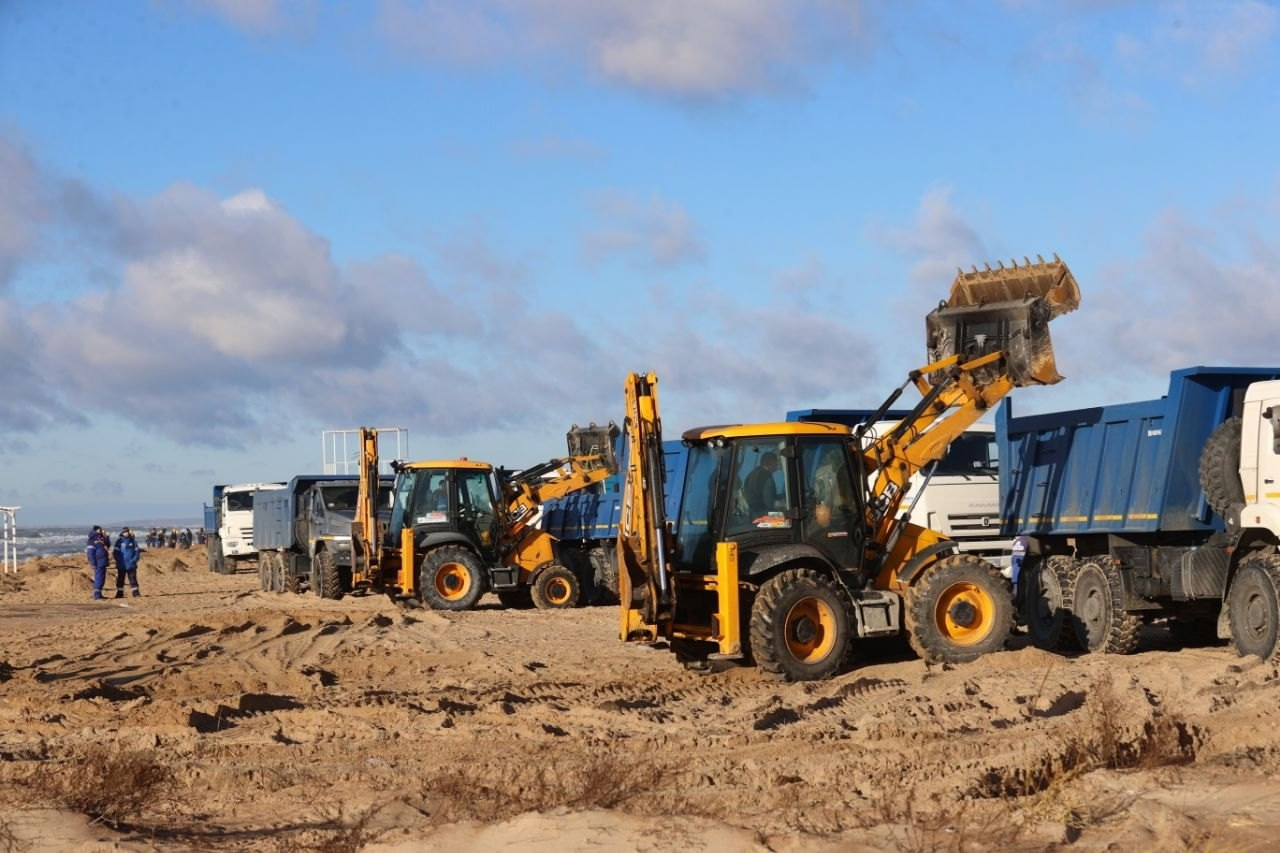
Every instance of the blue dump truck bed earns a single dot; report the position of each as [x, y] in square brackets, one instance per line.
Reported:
[1127, 468]
[595, 515]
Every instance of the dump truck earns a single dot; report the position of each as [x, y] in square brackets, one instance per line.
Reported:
[793, 538]
[303, 532]
[1160, 509]
[228, 522]
[459, 528]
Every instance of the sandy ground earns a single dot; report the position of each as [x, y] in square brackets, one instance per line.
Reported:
[227, 718]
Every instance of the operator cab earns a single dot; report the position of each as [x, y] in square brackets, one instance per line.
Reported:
[767, 485]
[445, 496]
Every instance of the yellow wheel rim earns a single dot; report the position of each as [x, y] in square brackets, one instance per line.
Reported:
[965, 613]
[453, 581]
[558, 591]
[810, 630]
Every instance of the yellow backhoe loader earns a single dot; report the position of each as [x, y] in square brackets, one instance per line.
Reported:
[791, 539]
[460, 528]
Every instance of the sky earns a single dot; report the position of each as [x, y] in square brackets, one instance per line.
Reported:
[229, 225]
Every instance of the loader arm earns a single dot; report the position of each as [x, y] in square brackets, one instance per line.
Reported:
[989, 337]
[644, 550]
[366, 539]
[591, 461]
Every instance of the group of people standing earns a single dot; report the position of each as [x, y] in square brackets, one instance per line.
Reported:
[158, 537]
[126, 552]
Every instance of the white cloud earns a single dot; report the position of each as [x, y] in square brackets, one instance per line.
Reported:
[651, 232]
[704, 50]
[937, 242]
[259, 16]
[224, 318]
[21, 206]
[1200, 293]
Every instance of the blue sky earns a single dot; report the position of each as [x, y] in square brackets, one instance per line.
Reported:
[227, 225]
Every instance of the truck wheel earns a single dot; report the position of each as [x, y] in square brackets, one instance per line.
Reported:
[451, 578]
[1098, 617]
[213, 548]
[554, 587]
[264, 572]
[1220, 467]
[960, 610]
[292, 583]
[326, 578]
[1254, 612]
[1043, 603]
[799, 626]
[277, 572]
[605, 566]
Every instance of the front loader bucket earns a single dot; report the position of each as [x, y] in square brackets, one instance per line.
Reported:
[594, 440]
[1006, 309]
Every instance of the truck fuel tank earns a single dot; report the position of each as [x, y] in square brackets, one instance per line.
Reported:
[1007, 309]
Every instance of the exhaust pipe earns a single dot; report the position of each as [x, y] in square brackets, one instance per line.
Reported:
[1007, 309]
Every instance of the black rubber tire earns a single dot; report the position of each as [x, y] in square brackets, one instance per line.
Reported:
[1254, 607]
[451, 577]
[213, 552]
[960, 609]
[516, 599]
[800, 626]
[292, 583]
[605, 567]
[277, 572]
[1046, 611]
[555, 587]
[264, 572]
[1097, 614]
[326, 577]
[1220, 467]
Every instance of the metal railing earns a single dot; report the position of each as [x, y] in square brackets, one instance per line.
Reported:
[9, 538]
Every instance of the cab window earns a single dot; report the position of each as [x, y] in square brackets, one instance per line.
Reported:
[762, 489]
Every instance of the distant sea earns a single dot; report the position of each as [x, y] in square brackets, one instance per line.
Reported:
[59, 541]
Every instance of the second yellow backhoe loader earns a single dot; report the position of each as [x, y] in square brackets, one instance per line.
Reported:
[460, 528]
[791, 540]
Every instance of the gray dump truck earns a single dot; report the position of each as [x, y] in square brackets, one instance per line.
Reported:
[303, 533]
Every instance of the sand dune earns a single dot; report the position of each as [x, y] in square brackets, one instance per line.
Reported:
[291, 721]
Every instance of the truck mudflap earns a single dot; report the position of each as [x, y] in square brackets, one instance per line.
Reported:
[1006, 309]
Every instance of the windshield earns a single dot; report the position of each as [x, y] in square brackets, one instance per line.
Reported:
[340, 498]
[421, 496]
[239, 501]
[973, 453]
[699, 507]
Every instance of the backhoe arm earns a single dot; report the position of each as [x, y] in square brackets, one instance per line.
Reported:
[365, 536]
[644, 580]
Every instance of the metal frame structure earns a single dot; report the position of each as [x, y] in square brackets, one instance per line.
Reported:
[9, 538]
[341, 458]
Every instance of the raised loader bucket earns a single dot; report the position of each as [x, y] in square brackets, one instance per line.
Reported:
[1006, 309]
[594, 440]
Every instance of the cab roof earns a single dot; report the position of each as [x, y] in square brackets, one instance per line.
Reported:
[467, 464]
[762, 430]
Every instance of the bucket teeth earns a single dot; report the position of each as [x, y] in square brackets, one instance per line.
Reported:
[1006, 309]
[1051, 281]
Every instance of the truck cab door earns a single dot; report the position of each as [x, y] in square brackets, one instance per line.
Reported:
[1262, 477]
[831, 514]
[477, 517]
